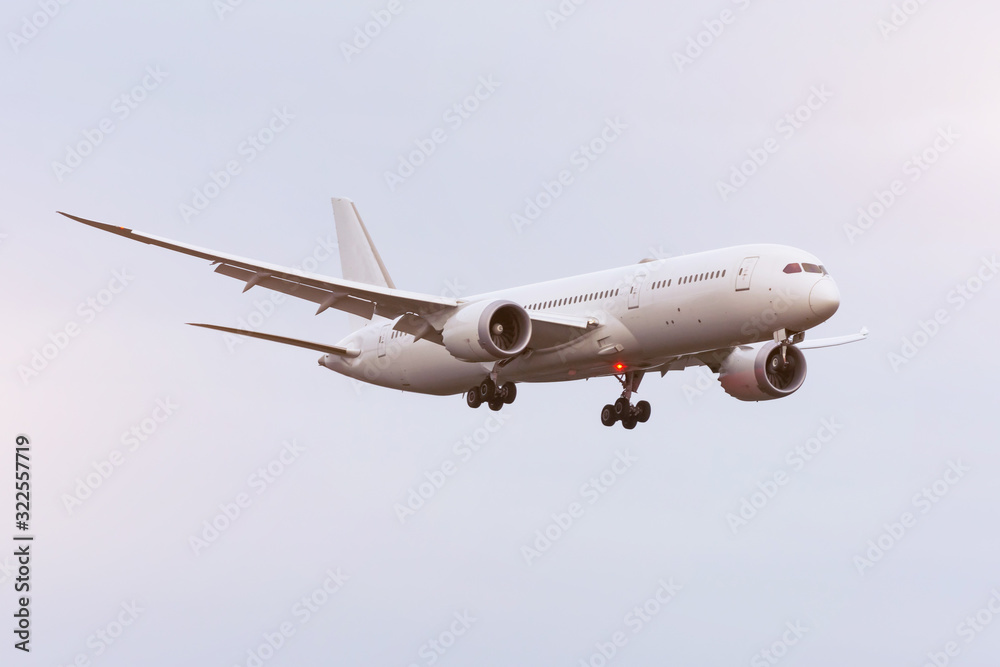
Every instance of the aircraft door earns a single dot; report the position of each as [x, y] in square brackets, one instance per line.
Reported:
[746, 270]
[382, 334]
[633, 293]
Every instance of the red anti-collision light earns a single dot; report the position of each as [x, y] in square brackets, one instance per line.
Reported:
[619, 366]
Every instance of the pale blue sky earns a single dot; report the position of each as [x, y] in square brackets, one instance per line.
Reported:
[197, 86]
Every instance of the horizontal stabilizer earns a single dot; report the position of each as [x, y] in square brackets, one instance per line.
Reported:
[319, 347]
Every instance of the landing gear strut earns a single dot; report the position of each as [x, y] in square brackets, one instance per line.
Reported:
[489, 393]
[622, 410]
[784, 339]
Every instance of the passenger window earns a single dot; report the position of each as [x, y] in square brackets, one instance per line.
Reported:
[811, 268]
[793, 268]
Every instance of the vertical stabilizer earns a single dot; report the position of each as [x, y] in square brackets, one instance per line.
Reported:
[359, 260]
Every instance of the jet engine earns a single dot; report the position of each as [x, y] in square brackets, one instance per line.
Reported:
[487, 331]
[759, 373]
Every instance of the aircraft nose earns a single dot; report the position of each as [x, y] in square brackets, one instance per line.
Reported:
[824, 298]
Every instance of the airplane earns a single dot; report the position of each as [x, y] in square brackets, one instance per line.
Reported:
[741, 311]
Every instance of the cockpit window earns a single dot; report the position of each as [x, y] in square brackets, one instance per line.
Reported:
[812, 268]
[825, 272]
[793, 268]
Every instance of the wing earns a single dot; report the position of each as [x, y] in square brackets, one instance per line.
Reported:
[837, 340]
[712, 358]
[549, 330]
[423, 315]
[349, 296]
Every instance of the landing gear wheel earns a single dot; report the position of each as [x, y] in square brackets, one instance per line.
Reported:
[487, 389]
[622, 407]
[608, 417]
[622, 410]
[508, 391]
[472, 398]
[495, 404]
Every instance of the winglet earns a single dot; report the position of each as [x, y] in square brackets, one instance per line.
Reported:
[114, 229]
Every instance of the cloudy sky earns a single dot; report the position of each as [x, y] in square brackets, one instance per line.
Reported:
[196, 501]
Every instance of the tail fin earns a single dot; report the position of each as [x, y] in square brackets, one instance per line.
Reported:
[359, 260]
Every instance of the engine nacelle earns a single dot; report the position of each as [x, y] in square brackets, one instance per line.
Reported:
[759, 374]
[487, 331]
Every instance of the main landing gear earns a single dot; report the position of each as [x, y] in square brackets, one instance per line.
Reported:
[622, 410]
[489, 393]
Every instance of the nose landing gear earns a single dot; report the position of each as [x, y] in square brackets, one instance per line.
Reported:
[622, 410]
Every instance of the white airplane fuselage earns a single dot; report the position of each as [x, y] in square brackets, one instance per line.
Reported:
[646, 314]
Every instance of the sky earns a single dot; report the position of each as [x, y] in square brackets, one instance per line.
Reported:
[200, 501]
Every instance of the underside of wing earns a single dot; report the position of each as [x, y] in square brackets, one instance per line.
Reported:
[549, 330]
